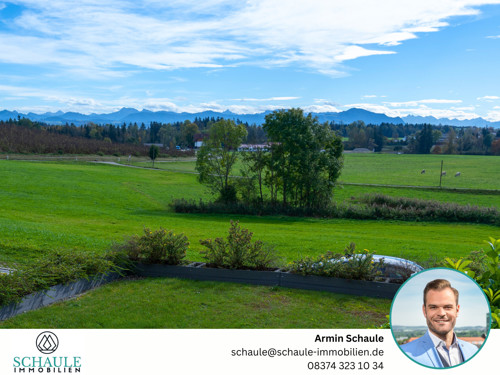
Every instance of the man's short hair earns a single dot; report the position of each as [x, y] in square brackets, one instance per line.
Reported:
[439, 284]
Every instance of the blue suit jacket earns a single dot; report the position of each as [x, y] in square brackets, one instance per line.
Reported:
[422, 350]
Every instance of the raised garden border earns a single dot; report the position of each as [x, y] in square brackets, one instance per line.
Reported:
[54, 294]
[198, 271]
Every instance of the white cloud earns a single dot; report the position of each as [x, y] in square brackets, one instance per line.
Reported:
[276, 98]
[415, 103]
[354, 52]
[320, 108]
[489, 97]
[493, 116]
[420, 110]
[98, 37]
[466, 108]
[441, 113]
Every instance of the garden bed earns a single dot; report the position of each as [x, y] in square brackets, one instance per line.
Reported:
[199, 271]
[54, 294]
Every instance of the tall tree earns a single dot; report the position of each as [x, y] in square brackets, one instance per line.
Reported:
[358, 136]
[424, 140]
[217, 156]
[188, 131]
[256, 163]
[378, 138]
[306, 158]
[153, 153]
[451, 142]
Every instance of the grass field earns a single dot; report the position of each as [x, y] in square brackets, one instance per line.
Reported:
[87, 206]
[404, 171]
[172, 303]
[477, 172]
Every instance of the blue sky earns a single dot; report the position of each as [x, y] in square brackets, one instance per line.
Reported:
[407, 306]
[397, 57]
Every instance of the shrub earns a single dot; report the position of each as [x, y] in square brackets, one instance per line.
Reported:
[158, 247]
[486, 274]
[57, 267]
[348, 265]
[401, 208]
[369, 207]
[238, 251]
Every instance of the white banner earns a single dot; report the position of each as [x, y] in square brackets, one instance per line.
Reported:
[207, 351]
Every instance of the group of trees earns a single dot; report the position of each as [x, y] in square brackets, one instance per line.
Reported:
[449, 140]
[420, 138]
[299, 166]
[361, 136]
[180, 134]
[410, 138]
[22, 140]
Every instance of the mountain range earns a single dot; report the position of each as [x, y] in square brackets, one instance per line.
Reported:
[131, 115]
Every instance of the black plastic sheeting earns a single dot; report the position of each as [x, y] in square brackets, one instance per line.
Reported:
[54, 294]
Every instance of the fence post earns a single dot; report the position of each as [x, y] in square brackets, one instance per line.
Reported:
[441, 174]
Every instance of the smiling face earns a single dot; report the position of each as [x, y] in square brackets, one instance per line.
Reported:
[441, 311]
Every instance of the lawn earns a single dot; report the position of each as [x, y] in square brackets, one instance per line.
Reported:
[404, 171]
[87, 206]
[173, 303]
[477, 172]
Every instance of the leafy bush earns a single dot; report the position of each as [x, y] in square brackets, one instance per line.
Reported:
[486, 272]
[348, 265]
[158, 247]
[401, 208]
[57, 267]
[369, 207]
[238, 251]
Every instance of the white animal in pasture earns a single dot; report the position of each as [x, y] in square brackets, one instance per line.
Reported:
[457, 174]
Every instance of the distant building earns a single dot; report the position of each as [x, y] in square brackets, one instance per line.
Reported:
[262, 146]
[198, 139]
[160, 145]
[360, 150]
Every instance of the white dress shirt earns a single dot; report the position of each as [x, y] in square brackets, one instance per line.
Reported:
[449, 357]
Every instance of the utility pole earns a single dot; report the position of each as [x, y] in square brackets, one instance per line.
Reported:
[441, 174]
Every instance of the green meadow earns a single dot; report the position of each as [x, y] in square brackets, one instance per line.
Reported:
[477, 172]
[174, 303]
[88, 206]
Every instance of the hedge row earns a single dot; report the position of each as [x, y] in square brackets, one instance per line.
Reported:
[370, 207]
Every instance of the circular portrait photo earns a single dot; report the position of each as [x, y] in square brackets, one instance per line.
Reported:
[440, 318]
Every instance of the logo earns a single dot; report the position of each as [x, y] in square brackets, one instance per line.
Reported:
[47, 342]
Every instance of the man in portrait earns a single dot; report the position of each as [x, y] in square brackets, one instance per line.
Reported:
[440, 347]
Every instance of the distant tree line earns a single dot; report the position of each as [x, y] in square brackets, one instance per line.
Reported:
[408, 138]
[420, 138]
[171, 135]
[23, 139]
